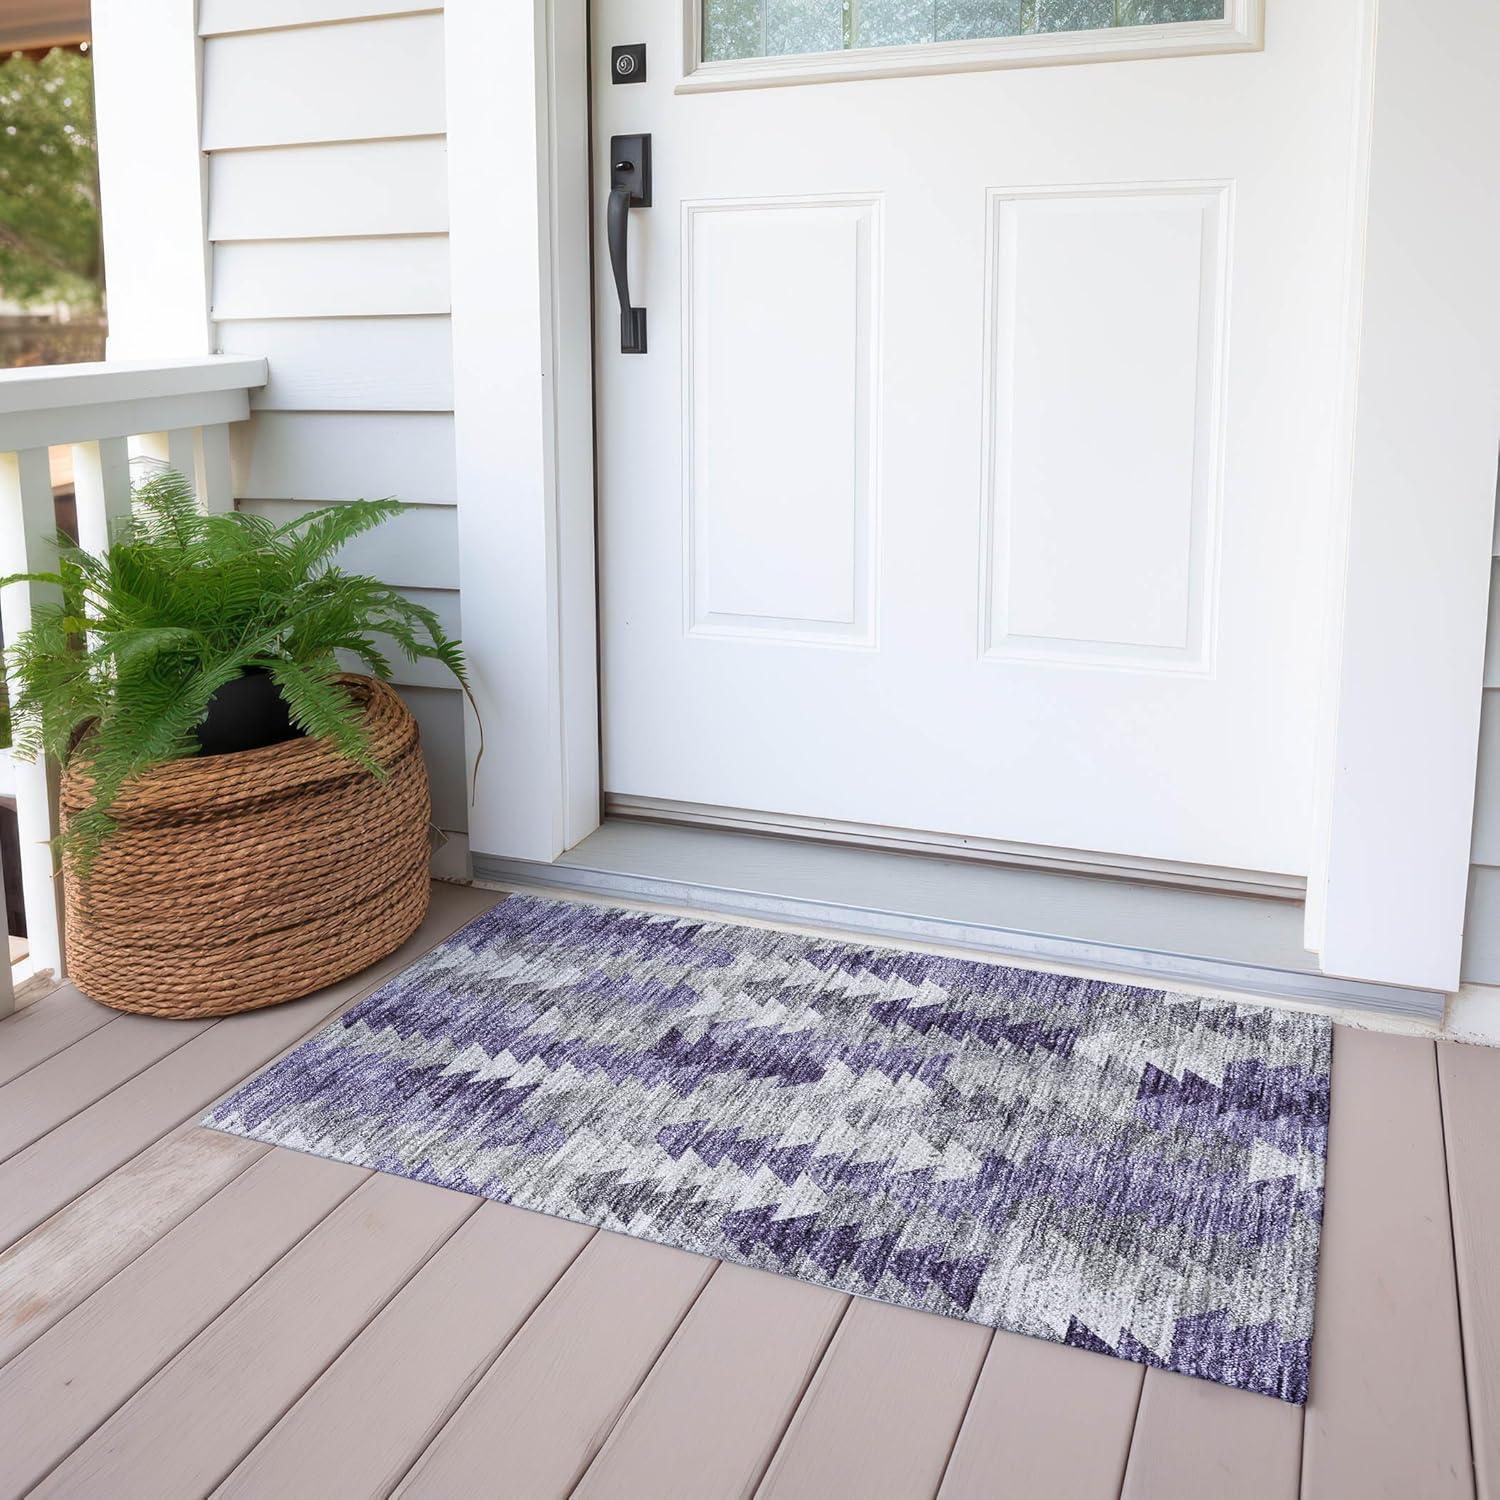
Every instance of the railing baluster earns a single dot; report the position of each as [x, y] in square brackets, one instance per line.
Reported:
[182, 452]
[28, 530]
[101, 483]
[215, 481]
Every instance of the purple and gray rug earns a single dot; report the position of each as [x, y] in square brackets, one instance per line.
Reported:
[1123, 1169]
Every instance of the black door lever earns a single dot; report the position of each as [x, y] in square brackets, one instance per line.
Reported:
[629, 187]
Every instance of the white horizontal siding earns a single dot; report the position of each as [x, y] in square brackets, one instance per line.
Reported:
[359, 80]
[328, 213]
[1481, 962]
[330, 278]
[348, 364]
[1492, 641]
[444, 604]
[1482, 928]
[216, 17]
[416, 550]
[1486, 849]
[440, 714]
[309, 192]
[317, 456]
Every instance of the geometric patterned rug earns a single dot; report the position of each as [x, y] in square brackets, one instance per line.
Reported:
[1123, 1169]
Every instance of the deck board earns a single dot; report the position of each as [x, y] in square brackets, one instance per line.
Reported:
[1194, 1438]
[193, 1422]
[69, 1081]
[545, 1407]
[708, 1418]
[1045, 1420]
[60, 1264]
[1470, 1081]
[81, 1371]
[37, 1031]
[370, 1416]
[1387, 1411]
[880, 1417]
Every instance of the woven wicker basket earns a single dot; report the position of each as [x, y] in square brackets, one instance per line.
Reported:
[237, 881]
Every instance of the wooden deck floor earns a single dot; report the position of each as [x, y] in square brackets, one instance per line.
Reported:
[184, 1313]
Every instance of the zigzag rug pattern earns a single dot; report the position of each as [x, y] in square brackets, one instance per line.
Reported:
[1123, 1169]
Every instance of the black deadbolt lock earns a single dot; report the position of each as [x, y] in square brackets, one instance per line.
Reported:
[628, 64]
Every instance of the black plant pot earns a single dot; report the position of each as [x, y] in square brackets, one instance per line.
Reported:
[245, 714]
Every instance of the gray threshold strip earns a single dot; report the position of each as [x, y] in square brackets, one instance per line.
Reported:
[1167, 935]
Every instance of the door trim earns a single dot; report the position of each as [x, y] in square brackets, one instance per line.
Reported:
[522, 303]
[1411, 553]
[1404, 645]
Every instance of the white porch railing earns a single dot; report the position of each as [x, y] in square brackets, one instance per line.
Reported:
[175, 411]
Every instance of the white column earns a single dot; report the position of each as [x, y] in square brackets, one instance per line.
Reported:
[152, 174]
[28, 527]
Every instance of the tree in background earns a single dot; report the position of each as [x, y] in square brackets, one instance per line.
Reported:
[50, 246]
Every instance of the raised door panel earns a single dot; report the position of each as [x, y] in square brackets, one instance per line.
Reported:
[780, 354]
[1104, 373]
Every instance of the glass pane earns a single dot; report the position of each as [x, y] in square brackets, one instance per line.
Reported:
[773, 28]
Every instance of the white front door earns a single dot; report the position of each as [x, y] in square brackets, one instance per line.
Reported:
[976, 477]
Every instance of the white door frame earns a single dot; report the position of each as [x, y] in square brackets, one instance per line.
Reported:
[1410, 561]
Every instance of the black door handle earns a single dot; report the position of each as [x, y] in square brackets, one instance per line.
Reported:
[629, 187]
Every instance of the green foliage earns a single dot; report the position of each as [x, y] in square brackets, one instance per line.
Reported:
[50, 248]
[182, 602]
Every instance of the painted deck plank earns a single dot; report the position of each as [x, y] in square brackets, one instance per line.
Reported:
[43, 1028]
[55, 1090]
[78, 1374]
[38, 1181]
[365, 1422]
[1045, 1420]
[541, 1413]
[1470, 1081]
[186, 1429]
[1195, 1438]
[709, 1416]
[1386, 1415]
[55, 1267]
[880, 1417]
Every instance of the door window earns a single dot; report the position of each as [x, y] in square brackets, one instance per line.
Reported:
[777, 28]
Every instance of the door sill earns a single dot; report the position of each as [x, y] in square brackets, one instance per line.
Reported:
[1171, 936]
[962, 846]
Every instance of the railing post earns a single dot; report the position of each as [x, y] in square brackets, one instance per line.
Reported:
[28, 530]
[101, 484]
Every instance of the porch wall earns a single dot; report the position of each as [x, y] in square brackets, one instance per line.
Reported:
[1482, 926]
[327, 219]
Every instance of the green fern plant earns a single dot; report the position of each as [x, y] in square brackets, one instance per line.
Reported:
[182, 603]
